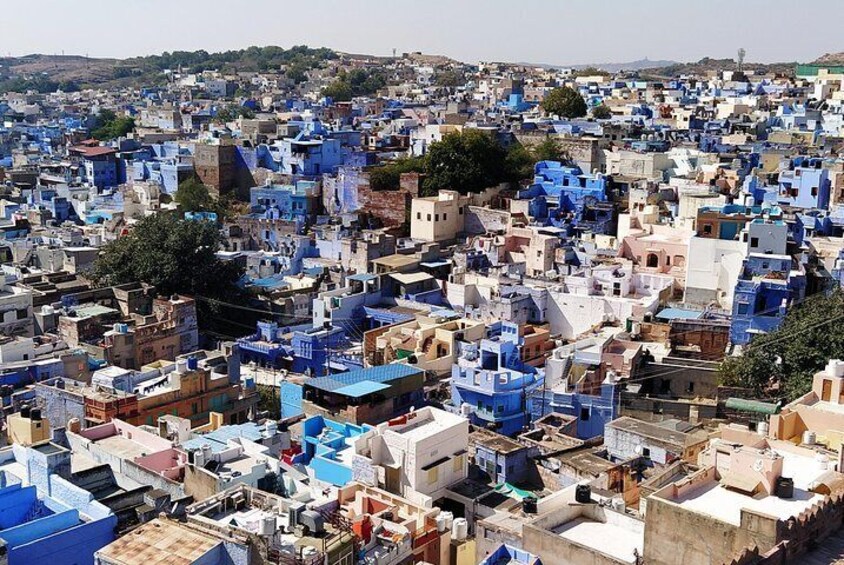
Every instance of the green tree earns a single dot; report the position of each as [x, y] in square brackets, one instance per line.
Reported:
[232, 112]
[519, 162]
[339, 91]
[193, 196]
[547, 150]
[601, 112]
[176, 256]
[111, 126]
[449, 79]
[388, 176]
[467, 161]
[788, 357]
[564, 102]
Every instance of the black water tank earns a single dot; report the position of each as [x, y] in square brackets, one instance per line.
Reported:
[784, 488]
[25, 411]
[583, 494]
[529, 505]
[35, 415]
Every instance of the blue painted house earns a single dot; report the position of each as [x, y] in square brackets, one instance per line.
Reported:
[493, 385]
[803, 183]
[561, 194]
[767, 287]
[325, 444]
[291, 200]
[44, 517]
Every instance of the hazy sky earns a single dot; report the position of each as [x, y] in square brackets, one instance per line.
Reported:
[543, 31]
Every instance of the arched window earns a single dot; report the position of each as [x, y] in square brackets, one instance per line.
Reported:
[653, 260]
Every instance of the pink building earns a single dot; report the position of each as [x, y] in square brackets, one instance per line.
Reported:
[658, 249]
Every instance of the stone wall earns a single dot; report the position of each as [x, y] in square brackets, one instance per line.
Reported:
[673, 534]
[480, 221]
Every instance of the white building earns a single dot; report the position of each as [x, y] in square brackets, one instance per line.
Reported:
[712, 270]
[606, 293]
[15, 310]
[422, 453]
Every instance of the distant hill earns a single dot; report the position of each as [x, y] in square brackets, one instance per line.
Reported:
[631, 66]
[708, 64]
[829, 59]
[46, 73]
[608, 67]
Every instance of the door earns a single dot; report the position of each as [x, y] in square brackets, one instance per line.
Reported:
[827, 390]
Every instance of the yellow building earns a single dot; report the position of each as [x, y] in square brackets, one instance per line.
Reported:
[27, 427]
[438, 218]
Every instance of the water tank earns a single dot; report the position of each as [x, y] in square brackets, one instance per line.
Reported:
[821, 460]
[762, 428]
[47, 310]
[784, 488]
[267, 526]
[465, 409]
[529, 505]
[441, 523]
[271, 428]
[809, 437]
[460, 529]
[449, 519]
[25, 411]
[313, 521]
[74, 425]
[35, 415]
[583, 494]
[193, 363]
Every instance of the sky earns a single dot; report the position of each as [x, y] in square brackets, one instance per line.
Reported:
[536, 31]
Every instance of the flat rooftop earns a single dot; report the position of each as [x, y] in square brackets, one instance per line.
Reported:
[496, 442]
[122, 447]
[160, 542]
[611, 539]
[726, 505]
[424, 426]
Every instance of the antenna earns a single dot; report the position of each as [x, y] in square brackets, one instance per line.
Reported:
[394, 52]
[740, 63]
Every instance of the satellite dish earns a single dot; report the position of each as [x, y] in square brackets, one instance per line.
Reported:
[758, 465]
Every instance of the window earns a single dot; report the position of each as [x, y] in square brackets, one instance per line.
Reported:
[646, 452]
[707, 229]
[418, 215]
[460, 210]
[436, 217]
[433, 475]
[445, 217]
[584, 414]
[457, 464]
[690, 387]
[429, 217]
[814, 191]
[754, 242]
[742, 308]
